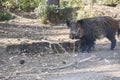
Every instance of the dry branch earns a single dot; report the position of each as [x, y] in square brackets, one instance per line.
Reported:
[71, 64]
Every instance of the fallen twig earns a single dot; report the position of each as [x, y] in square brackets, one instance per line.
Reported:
[71, 64]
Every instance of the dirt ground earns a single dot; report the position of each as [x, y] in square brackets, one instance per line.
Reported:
[100, 64]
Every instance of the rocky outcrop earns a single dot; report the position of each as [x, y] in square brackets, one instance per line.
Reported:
[43, 48]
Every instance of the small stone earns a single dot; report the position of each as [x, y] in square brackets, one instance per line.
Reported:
[22, 61]
[64, 62]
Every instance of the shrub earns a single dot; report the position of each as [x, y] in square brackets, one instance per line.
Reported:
[25, 5]
[4, 15]
[53, 13]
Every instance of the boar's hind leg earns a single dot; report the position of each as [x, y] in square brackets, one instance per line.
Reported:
[113, 42]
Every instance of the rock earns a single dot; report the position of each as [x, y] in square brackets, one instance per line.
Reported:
[22, 61]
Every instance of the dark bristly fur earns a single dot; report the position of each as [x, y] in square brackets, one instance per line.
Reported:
[90, 29]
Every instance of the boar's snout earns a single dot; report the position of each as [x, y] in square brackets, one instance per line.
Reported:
[73, 36]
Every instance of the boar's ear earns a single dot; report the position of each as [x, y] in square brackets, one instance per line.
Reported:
[68, 23]
[80, 22]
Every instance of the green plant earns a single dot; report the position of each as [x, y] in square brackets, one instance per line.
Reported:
[67, 13]
[54, 13]
[25, 5]
[41, 10]
[4, 15]
[1, 1]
